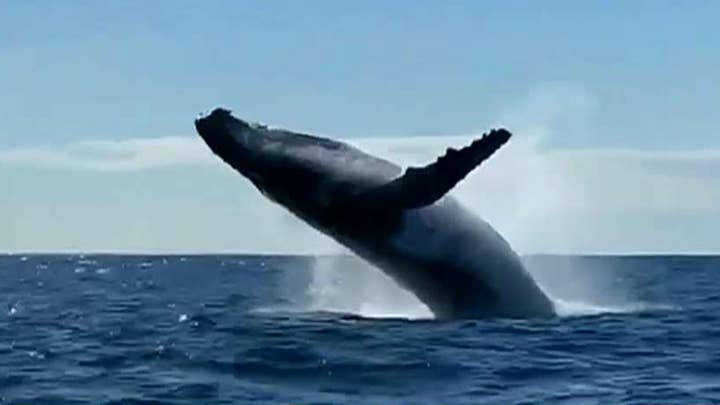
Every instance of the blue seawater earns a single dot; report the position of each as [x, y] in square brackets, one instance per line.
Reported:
[238, 329]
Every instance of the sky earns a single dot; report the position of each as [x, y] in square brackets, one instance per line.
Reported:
[613, 106]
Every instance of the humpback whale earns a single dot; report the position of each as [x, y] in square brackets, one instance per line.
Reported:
[402, 222]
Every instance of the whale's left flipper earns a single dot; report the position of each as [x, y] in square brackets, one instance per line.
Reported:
[422, 186]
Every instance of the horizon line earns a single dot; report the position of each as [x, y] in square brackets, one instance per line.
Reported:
[308, 254]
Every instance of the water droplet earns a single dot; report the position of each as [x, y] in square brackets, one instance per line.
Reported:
[36, 355]
[182, 318]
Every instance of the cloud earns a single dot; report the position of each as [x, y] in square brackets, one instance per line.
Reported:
[542, 200]
[120, 155]
[541, 197]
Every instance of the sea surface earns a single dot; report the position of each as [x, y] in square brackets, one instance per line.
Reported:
[286, 329]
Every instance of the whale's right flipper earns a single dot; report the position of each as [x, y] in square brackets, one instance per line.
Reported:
[422, 186]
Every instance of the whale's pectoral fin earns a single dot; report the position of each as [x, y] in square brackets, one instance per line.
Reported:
[421, 186]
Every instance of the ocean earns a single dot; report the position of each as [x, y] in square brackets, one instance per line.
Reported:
[113, 329]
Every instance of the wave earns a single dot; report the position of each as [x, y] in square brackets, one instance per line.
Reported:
[576, 308]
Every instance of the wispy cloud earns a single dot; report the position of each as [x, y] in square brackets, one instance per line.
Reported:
[542, 199]
[623, 180]
[120, 155]
[147, 153]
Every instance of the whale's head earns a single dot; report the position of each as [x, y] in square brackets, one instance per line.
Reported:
[236, 142]
[287, 167]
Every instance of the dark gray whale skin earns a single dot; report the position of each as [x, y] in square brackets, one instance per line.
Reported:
[402, 223]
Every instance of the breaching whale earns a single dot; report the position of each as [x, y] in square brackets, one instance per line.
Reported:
[404, 223]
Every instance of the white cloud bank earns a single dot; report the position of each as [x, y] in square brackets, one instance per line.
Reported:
[120, 155]
[542, 200]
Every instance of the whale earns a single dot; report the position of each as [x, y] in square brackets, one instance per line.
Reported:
[403, 222]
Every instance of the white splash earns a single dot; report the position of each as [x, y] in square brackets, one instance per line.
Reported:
[348, 285]
[573, 308]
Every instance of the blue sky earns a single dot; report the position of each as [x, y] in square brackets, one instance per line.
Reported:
[630, 77]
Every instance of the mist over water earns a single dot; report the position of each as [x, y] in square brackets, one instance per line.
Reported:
[349, 285]
[515, 191]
